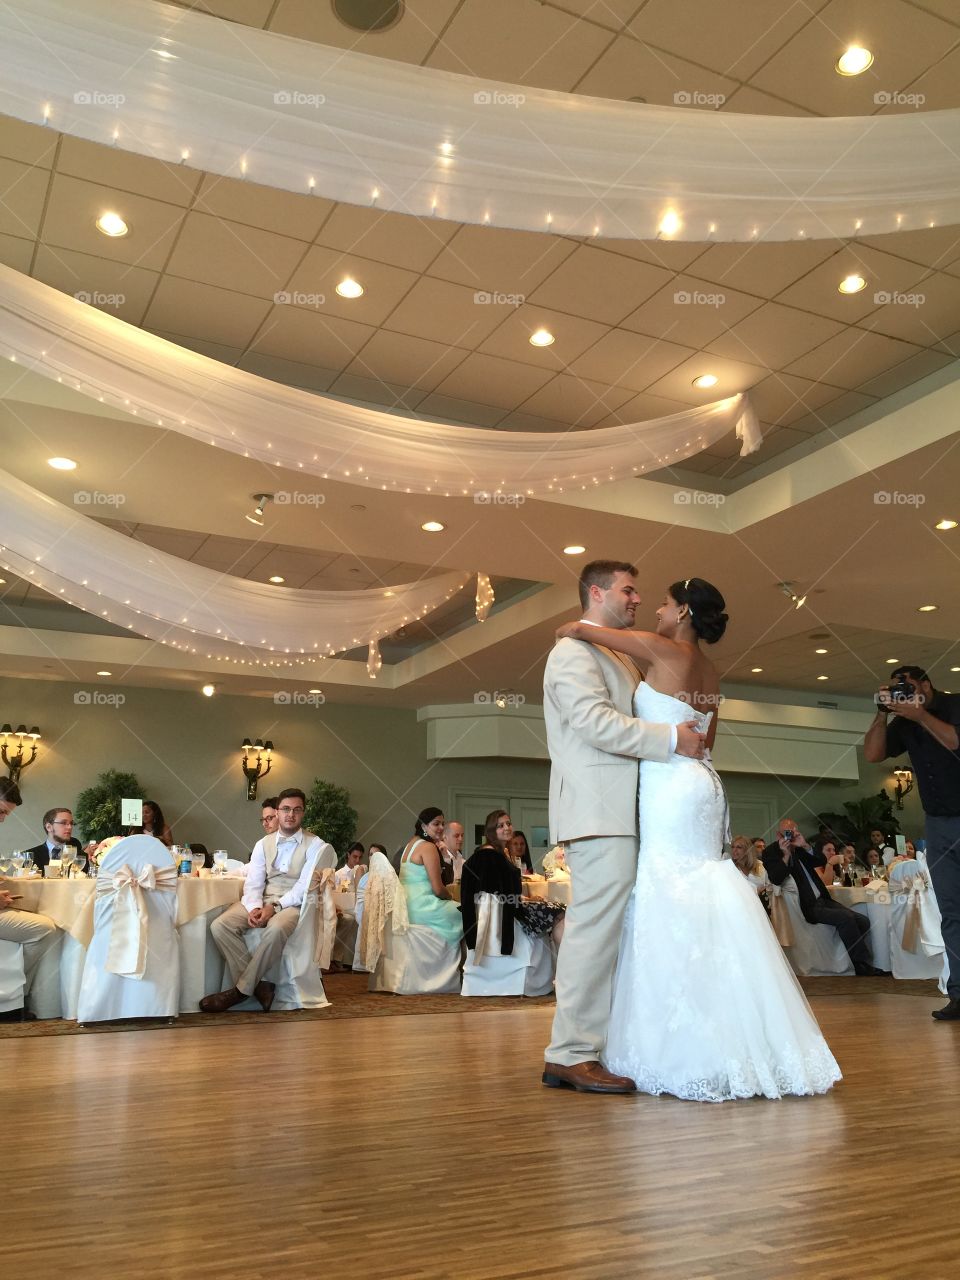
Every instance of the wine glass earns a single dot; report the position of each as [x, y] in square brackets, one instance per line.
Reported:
[18, 859]
[29, 866]
[198, 859]
[68, 856]
[220, 862]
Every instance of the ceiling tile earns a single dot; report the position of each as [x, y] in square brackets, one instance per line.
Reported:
[444, 312]
[632, 69]
[600, 286]
[911, 371]
[115, 287]
[774, 336]
[388, 395]
[176, 542]
[253, 13]
[672, 255]
[322, 270]
[923, 314]
[818, 292]
[236, 556]
[512, 338]
[852, 357]
[734, 376]
[612, 14]
[73, 209]
[311, 337]
[397, 238]
[644, 408]
[783, 399]
[16, 252]
[751, 102]
[23, 190]
[298, 216]
[215, 350]
[289, 372]
[127, 171]
[629, 360]
[494, 260]
[490, 380]
[935, 89]
[406, 361]
[201, 311]
[409, 41]
[519, 41]
[778, 441]
[520, 421]
[450, 409]
[844, 406]
[33, 144]
[575, 401]
[763, 269]
[933, 247]
[693, 311]
[233, 256]
[942, 8]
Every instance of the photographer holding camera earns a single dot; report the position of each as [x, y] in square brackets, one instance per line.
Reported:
[914, 717]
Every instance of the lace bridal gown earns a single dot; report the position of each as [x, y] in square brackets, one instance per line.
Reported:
[705, 1005]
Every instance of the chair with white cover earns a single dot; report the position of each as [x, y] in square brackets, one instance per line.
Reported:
[527, 971]
[12, 980]
[916, 940]
[132, 966]
[813, 950]
[297, 977]
[407, 959]
[358, 965]
[234, 867]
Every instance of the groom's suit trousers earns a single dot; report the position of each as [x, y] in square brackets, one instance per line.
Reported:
[603, 870]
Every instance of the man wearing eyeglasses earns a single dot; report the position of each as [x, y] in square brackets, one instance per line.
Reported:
[34, 933]
[268, 815]
[58, 825]
[277, 880]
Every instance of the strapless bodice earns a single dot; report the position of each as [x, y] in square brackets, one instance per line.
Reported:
[663, 708]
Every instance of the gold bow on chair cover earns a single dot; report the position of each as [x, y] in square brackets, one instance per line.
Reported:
[323, 887]
[127, 952]
[485, 905]
[779, 918]
[912, 923]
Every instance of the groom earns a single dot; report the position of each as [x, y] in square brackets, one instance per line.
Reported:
[595, 746]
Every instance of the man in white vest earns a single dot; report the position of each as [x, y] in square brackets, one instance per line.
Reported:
[595, 745]
[277, 880]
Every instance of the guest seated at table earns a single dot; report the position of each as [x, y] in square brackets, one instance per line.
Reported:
[745, 859]
[451, 852]
[909, 854]
[555, 860]
[34, 932]
[520, 852]
[276, 882]
[347, 874]
[830, 870]
[58, 827]
[268, 815]
[878, 840]
[154, 824]
[492, 869]
[873, 861]
[759, 845]
[428, 902]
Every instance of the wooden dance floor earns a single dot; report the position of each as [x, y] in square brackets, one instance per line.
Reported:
[403, 1146]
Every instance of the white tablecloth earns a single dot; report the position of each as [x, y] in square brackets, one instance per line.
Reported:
[549, 890]
[875, 905]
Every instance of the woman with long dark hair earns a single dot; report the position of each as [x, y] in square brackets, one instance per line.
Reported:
[428, 902]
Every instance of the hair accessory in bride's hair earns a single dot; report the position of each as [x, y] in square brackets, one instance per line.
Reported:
[689, 606]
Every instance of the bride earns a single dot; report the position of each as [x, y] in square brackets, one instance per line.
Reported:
[705, 1005]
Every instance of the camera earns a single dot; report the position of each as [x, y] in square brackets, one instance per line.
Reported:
[900, 691]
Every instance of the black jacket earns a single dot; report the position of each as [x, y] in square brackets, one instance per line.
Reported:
[778, 871]
[41, 854]
[488, 871]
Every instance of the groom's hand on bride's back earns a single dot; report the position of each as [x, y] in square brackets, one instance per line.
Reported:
[689, 741]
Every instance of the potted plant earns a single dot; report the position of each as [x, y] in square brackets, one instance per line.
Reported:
[329, 814]
[97, 809]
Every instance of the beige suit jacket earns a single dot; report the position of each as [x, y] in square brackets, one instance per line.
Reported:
[595, 742]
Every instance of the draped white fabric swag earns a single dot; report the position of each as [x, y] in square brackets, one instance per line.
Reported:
[165, 385]
[187, 606]
[234, 100]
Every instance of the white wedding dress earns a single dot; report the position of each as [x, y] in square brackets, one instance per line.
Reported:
[705, 1005]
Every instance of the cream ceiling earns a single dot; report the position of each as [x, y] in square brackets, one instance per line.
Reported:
[206, 257]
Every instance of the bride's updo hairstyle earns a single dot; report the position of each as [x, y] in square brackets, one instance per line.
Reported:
[706, 606]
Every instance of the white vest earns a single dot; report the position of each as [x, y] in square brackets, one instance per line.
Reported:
[279, 883]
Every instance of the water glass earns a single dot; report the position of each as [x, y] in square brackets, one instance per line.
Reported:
[198, 859]
[68, 856]
[219, 862]
[18, 859]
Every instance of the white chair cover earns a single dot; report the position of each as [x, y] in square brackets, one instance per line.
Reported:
[358, 965]
[916, 940]
[12, 981]
[310, 946]
[401, 957]
[527, 971]
[932, 895]
[132, 966]
[816, 950]
[234, 867]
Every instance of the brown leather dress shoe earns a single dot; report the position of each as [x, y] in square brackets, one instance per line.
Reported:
[264, 992]
[585, 1077]
[221, 1001]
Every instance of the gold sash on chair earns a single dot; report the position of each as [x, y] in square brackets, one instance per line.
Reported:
[323, 887]
[780, 918]
[127, 951]
[912, 923]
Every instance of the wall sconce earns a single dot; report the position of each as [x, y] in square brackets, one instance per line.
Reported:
[255, 771]
[904, 784]
[16, 763]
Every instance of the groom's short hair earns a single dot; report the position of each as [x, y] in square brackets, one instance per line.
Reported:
[600, 573]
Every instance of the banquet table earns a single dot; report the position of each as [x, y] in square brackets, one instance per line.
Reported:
[875, 904]
[70, 905]
[552, 890]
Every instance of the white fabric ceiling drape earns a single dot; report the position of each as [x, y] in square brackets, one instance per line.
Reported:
[171, 83]
[196, 396]
[189, 607]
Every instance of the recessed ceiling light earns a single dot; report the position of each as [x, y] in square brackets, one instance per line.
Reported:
[756, 670]
[62, 464]
[946, 524]
[349, 288]
[111, 224]
[891, 661]
[104, 673]
[3, 582]
[854, 61]
[574, 549]
[823, 677]
[706, 380]
[165, 53]
[446, 148]
[277, 579]
[927, 608]
[432, 526]
[819, 651]
[209, 690]
[542, 338]
[314, 691]
[851, 284]
[368, 15]
[955, 668]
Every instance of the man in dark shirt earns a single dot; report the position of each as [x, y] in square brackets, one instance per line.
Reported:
[926, 725]
[791, 855]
